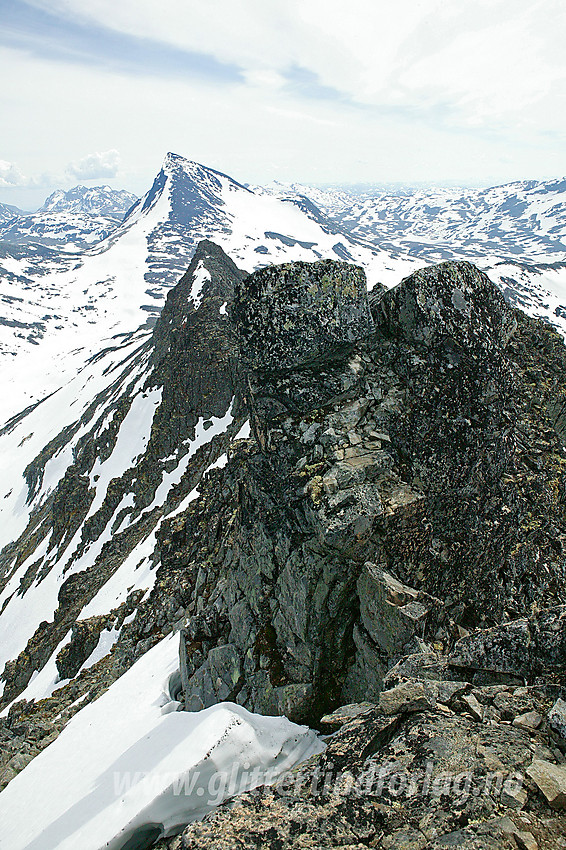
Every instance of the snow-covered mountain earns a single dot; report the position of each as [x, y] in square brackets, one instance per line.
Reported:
[145, 406]
[8, 212]
[523, 221]
[59, 307]
[69, 221]
[96, 200]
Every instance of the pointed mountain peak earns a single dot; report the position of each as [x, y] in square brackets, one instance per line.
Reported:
[172, 160]
[175, 165]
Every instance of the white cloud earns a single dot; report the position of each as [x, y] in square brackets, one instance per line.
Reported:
[10, 175]
[463, 63]
[95, 165]
[467, 92]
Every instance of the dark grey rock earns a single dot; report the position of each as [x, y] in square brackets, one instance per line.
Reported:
[450, 300]
[291, 314]
[557, 718]
[524, 647]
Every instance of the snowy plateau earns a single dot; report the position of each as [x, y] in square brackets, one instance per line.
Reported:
[95, 459]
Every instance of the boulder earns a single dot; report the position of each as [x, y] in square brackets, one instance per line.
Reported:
[550, 779]
[290, 314]
[527, 647]
[392, 613]
[450, 300]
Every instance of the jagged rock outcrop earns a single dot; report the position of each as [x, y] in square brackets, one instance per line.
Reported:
[424, 447]
[291, 314]
[398, 497]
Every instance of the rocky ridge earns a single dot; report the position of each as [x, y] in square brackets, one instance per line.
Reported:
[91, 522]
[397, 457]
[395, 514]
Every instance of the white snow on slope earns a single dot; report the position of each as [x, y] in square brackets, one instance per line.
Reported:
[216, 426]
[132, 441]
[22, 614]
[200, 276]
[23, 442]
[66, 308]
[130, 759]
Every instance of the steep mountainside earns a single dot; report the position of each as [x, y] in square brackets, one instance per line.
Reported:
[59, 306]
[330, 498]
[127, 442]
[8, 212]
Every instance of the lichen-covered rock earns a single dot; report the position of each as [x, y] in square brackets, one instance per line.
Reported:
[291, 314]
[426, 445]
[450, 302]
[527, 647]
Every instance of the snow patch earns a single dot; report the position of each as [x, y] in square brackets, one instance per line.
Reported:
[200, 277]
[129, 760]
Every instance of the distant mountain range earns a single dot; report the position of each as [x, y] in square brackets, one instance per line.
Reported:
[69, 221]
[94, 263]
[97, 200]
[59, 307]
[523, 221]
[8, 212]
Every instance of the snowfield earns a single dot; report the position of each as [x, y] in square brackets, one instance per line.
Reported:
[131, 762]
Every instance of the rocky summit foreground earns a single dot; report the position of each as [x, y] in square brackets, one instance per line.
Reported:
[380, 553]
[393, 532]
[405, 455]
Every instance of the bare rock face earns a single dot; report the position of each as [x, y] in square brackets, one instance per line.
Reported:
[291, 314]
[449, 302]
[387, 495]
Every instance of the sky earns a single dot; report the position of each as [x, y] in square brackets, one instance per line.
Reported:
[453, 92]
